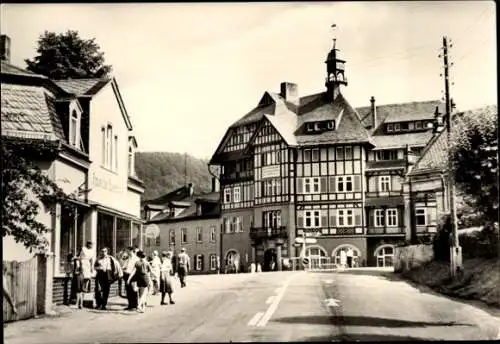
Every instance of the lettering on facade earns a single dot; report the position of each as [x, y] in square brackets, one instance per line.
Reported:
[270, 172]
[105, 183]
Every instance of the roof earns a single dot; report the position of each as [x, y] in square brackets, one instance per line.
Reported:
[7, 68]
[176, 195]
[190, 212]
[29, 112]
[348, 127]
[417, 139]
[401, 112]
[83, 87]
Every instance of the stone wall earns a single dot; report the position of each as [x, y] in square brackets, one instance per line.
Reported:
[410, 257]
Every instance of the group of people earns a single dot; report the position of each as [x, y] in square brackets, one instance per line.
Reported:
[138, 274]
[347, 258]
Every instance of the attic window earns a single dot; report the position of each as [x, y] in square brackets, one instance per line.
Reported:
[411, 126]
[309, 127]
[397, 127]
[331, 125]
[418, 125]
[317, 126]
[390, 128]
[74, 129]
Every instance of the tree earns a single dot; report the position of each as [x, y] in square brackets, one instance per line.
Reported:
[475, 161]
[24, 186]
[66, 55]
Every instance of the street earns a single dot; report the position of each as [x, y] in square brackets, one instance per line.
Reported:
[360, 304]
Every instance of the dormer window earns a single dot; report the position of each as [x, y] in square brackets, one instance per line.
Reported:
[74, 129]
[397, 127]
[198, 209]
[317, 126]
[418, 125]
[390, 128]
[331, 125]
[411, 126]
[309, 127]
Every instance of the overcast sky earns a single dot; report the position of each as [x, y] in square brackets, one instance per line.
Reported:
[187, 71]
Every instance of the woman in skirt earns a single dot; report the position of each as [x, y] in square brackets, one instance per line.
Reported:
[78, 281]
[141, 274]
[166, 271]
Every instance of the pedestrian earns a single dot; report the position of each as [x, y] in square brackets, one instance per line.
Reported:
[252, 268]
[343, 258]
[166, 273]
[155, 271]
[108, 271]
[141, 274]
[184, 266]
[87, 259]
[259, 267]
[350, 255]
[123, 259]
[77, 285]
[6, 293]
[132, 295]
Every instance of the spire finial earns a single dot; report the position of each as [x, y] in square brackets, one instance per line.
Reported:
[334, 26]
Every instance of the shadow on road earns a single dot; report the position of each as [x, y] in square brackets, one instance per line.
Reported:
[361, 321]
[362, 338]
[390, 275]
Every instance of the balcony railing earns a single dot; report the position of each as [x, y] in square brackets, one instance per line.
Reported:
[385, 230]
[245, 175]
[384, 193]
[268, 233]
[385, 164]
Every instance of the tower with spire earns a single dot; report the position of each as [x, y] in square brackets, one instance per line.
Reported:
[335, 69]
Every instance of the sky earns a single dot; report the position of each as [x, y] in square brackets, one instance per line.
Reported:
[188, 71]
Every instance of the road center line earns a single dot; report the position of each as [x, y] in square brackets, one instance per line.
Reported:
[255, 318]
[270, 300]
[270, 311]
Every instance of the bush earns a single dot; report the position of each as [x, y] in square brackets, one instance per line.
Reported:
[480, 244]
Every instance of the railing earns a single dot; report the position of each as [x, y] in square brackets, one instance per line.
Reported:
[237, 176]
[384, 193]
[268, 233]
[385, 164]
[385, 230]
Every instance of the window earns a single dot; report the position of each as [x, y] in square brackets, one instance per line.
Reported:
[74, 129]
[213, 233]
[348, 153]
[72, 236]
[199, 262]
[331, 125]
[115, 153]
[271, 187]
[199, 234]
[236, 225]
[317, 126]
[404, 126]
[340, 153]
[272, 219]
[227, 225]
[417, 150]
[312, 185]
[307, 155]
[345, 218]
[172, 237]
[315, 154]
[109, 146]
[309, 127]
[420, 216]
[184, 236]
[397, 127]
[307, 185]
[390, 128]
[411, 126]
[213, 262]
[387, 155]
[312, 219]
[384, 183]
[227, 195]
[344, 184]
[418, 125]
[131, 163]
[379, 218]
[315, 185]
[103, 148]
[392, 217]
[236, 194]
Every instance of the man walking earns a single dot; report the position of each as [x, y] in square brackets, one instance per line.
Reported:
[350, 255]
[184, 266]
[108, 271]
[129, 267]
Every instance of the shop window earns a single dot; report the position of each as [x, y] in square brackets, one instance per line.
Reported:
[105, 232]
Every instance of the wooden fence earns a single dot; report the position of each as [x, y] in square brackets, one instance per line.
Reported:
[20, 279]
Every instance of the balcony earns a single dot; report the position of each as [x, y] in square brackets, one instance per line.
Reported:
[385, 231]
[237, 176]
[385, 164]
[377, 194]
[268, 233]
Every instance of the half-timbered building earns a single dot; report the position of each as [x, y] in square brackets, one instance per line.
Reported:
[315, 166]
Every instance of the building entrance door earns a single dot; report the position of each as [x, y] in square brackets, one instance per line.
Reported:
[269, 260]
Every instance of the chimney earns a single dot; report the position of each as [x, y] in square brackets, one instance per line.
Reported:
[215, 185]
[373, 110]
[191, 189]
[290, 92]
[5, 46]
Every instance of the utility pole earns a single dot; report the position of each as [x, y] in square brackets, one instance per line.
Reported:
[455, 249]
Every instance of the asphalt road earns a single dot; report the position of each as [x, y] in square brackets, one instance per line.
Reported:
[364, 304]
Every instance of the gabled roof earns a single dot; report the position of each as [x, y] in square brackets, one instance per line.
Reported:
[83, 87]
[7, 68]
[434, 156]
[29, 112]
[348, 127]
[176, 195]
[401, 112]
